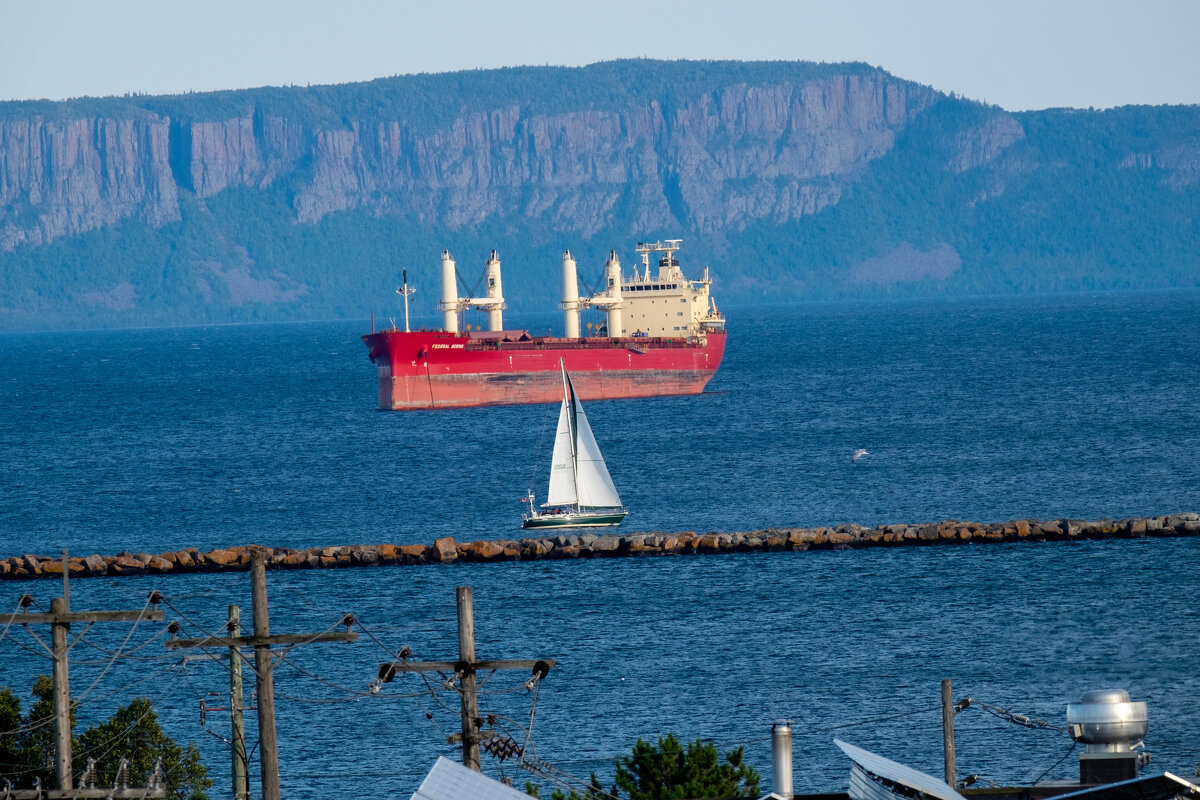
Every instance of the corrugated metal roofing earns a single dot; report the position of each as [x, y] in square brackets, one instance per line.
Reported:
[896, 773]
[449, 780]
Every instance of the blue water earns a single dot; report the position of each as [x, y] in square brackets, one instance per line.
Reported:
[1078, 406]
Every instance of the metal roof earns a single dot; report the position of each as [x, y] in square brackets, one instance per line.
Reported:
[1151, 787]
[889, 770]
[449, 780]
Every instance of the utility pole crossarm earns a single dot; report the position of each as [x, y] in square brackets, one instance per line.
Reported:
[459, 666]
[261, 641]
[60, 618]
[254, 641]
[72, 617]
[465, 668]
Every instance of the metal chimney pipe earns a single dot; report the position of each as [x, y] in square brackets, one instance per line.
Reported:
[781, 758]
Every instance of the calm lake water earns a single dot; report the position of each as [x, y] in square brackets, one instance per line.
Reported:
[1080, 406]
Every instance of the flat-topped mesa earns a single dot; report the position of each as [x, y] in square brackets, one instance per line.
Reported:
[662, 335]
[589, 545]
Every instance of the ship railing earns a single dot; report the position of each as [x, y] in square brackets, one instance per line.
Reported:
[624, 343]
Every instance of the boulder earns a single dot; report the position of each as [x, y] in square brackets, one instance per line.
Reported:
[127, 565]
[295, 560]
[365, 555]
[443, 550]
[535, 548]
[222, 558]
[480, 551]
[412, 552]
[607, 545]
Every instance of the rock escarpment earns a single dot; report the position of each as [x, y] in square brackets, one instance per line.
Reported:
[709, 161]
[576, 545]
[62, 177]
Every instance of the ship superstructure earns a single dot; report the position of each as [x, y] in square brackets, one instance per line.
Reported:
[662, 335]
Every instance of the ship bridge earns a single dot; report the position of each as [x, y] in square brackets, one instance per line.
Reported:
[666, 304]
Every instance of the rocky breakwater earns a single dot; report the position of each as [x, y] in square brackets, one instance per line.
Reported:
[589, 545]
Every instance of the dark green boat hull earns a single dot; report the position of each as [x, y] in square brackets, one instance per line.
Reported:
[576, 519]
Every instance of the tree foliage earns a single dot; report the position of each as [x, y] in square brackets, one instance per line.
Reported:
[133, 733]
[670, 771]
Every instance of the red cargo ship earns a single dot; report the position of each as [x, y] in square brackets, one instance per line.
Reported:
[669, 340]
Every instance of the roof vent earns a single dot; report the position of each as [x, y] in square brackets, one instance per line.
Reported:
[1111, 728]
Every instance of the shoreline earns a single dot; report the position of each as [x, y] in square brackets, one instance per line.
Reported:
[590, 545]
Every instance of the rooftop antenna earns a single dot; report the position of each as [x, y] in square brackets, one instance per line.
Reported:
[404, 290]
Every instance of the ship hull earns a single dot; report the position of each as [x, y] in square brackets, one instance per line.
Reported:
[435, 369]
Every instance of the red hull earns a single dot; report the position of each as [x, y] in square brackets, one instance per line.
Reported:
[435, 369]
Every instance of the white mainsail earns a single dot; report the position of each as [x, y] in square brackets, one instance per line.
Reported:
[578, 474]
[562, 464]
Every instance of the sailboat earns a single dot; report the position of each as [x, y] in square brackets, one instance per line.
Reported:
[581, 493]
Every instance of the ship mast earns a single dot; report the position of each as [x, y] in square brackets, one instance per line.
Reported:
[404, 290]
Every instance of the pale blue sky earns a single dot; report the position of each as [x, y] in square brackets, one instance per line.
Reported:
[1018, 54]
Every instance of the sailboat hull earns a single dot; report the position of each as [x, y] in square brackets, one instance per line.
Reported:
[576, 519]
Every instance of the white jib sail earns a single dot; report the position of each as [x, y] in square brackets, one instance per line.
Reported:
[562, 464]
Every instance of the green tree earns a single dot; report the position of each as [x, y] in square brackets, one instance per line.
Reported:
[27, 745]
[133, 733]
[10, 726]
[669, 771]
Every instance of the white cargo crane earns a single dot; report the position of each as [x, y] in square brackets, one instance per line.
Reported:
[570, 302]
[610, 299]
[452, 305]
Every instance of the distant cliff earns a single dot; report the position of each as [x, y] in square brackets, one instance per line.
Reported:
[792, 179]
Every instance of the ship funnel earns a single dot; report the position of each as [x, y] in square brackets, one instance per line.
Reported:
[495, 308]
[570, 297]
[449, 304]
[612, 292]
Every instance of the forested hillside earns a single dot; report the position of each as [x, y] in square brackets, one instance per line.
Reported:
[793, 180]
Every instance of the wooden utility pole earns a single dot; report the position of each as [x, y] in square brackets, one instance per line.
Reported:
[948, 711]
[465, 669]
[261, 641]
[237, 726]
[470, 695]
[59, 619]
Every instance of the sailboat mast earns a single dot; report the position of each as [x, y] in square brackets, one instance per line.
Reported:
[572, 427]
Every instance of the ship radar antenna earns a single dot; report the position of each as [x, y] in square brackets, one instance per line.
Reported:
[404, 290]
